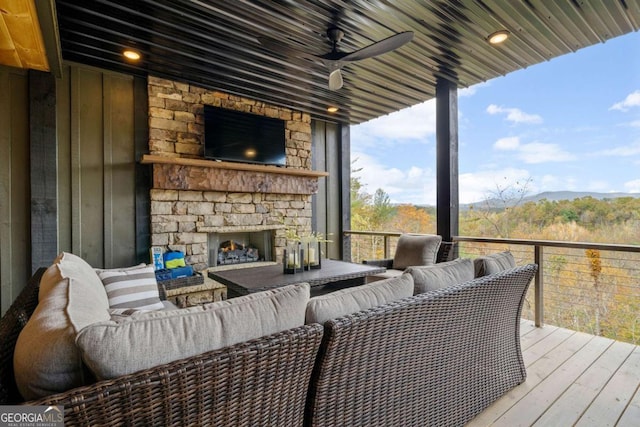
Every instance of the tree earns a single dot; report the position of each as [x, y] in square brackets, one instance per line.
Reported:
[595, 269]
[382, 209]
[412, 219]
[499, 205]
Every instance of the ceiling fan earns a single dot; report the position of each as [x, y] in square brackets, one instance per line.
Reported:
[335, 59]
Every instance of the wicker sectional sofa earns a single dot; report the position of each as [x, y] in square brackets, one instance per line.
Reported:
[437, 358]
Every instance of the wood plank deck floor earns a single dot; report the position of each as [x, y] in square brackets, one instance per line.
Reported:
[573, 378]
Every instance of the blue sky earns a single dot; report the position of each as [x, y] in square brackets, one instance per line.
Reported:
[572, 123]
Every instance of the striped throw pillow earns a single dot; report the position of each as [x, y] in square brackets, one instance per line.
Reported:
[132, 288]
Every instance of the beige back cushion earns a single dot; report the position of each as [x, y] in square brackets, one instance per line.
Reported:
[351, 300]
[416, 249]
[494, 263]
[46, 359]
[144, 340]
[441, 275]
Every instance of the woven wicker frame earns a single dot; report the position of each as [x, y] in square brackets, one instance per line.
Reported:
[262, 382]
[434, 359]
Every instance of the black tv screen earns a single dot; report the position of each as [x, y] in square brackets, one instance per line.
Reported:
[243, 137]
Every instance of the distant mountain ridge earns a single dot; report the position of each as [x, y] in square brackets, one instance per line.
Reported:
[552, 196]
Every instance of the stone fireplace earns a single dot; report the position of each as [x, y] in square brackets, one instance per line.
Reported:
[198, 204]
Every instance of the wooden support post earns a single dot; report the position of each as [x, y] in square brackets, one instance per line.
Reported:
[143, 175]
[447, 207]
[345, 190]
[44, 169]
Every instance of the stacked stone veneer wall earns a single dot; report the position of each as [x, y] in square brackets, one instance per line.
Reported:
[181, 219]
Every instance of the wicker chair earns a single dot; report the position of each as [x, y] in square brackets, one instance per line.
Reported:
[433, 359]
[258, 382]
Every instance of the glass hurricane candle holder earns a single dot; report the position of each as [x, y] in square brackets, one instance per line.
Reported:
[292, 259]
[313, 254]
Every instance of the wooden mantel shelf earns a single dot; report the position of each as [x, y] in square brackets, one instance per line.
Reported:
[154, 159]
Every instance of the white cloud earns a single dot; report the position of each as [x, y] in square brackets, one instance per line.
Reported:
[471, 90]
[538, 152]
[635, 124]
[534, 152]
[415, 185]
[514, 115]
[632, 186]
[413, 123]
[509, 143]
[632, 100]
[623, 150]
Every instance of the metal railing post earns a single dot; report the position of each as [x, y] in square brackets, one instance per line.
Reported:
[387, 247]
[539, 287]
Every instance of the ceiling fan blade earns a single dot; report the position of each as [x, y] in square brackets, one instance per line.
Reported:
[335, 79]
[378, 48]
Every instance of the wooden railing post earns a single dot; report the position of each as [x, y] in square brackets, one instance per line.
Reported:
[539, 287]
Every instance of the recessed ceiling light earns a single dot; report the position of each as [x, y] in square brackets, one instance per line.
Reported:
[131, 54]
[332, 109]
[498, 37]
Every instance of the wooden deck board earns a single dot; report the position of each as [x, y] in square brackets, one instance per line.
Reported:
[616, 395]
[568, 409]
[573, 378]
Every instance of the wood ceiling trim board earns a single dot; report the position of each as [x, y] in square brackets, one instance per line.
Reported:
[8, 53]
[23, 26]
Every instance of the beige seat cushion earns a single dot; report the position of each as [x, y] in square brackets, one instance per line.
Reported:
[416, 249]
[46, 359]
[148, 339]
[494, 263]
[358, 298]
[441, 275]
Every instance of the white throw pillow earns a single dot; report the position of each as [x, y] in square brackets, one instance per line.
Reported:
[132, 288]
[144, 340]
[358, 298]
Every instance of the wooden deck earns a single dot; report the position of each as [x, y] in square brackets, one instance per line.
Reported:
[572, 379]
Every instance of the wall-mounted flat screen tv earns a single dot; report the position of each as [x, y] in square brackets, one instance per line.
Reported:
[243, 137]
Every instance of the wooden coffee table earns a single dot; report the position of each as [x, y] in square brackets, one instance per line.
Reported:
[332, 276]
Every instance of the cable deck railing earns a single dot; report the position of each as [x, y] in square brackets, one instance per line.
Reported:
[588, 287]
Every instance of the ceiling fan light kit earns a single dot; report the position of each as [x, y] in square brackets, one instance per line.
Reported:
[335, 79]
[335, 59]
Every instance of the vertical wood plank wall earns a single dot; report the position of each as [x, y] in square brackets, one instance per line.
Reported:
[15, 196]
[96, 166]
[102, 193]
[327, 204]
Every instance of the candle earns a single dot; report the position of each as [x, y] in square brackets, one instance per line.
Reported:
[312, 255]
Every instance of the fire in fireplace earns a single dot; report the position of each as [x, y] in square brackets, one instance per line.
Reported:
[231, 252]
[238, 247]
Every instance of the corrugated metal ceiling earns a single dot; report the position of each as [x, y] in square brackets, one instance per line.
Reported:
[215, 44]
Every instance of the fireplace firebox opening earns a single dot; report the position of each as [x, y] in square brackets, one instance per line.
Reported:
[240, 247]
